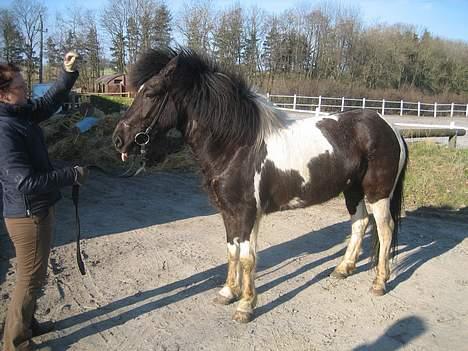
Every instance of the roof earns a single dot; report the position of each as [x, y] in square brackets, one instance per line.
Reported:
[106, 79]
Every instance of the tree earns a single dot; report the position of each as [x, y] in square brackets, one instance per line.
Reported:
[28, 13]
[253, 35]
[162, 27]
[13, 42]
[114, 19]
[54, 58]
[93, 53]
[196, 24]
[228, 37]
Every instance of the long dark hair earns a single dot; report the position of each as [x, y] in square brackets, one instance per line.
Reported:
[7, 74]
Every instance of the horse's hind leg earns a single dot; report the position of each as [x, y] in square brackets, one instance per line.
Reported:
[359, 221]
[385, 225]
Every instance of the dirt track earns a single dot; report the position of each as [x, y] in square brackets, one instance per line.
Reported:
[155, 253]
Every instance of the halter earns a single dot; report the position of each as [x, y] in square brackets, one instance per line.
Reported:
[142, 139]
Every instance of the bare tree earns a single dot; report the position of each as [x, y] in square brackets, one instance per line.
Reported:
[114, 19]
[196, 24]
[28, 13]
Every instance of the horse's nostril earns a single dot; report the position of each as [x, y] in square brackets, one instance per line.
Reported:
[118, 142]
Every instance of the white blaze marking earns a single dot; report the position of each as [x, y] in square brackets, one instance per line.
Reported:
[141, 88]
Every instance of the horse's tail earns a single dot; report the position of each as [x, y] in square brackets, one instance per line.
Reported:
[397, 201]
[396, 206]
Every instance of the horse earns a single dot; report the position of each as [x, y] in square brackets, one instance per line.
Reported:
[254, 160]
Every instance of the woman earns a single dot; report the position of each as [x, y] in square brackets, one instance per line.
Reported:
[30, 190]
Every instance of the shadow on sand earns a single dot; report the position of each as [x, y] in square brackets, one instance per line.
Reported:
[401, 333]
[107, 208]
[419, 248]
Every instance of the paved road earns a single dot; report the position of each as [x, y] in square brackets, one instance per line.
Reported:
[460, 122]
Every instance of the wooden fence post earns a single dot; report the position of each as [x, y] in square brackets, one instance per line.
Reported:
[363, 102]
[319, 103]
[435, 109]
[342, 105]
[383, 107]
[466, 115]
[451, 110]
[294, 101]
[401, 107]
[268, 96]
[419, 108]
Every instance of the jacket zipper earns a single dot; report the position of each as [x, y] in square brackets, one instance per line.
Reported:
[26, 205]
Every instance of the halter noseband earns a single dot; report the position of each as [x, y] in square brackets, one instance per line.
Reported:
[142, 139]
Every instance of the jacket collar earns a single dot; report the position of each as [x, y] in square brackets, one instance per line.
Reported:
[14, 110]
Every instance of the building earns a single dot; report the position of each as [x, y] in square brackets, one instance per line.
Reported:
[112, 84]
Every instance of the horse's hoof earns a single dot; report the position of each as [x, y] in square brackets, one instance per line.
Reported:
[242, 317]
[338, 275]
[377, 291]
[222, 300]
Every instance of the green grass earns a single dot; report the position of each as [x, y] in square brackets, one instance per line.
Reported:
[437, 176]
[110, 104]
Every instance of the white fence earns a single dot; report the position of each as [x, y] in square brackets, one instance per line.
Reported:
[332, 104]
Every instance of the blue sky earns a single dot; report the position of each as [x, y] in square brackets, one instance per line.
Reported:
[447, 19]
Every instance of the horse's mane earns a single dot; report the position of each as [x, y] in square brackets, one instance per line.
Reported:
[148, 65]
[220, 98]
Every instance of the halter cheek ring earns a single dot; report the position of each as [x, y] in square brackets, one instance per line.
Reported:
[142, 138]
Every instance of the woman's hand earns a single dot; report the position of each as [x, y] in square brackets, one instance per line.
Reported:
[70, 63]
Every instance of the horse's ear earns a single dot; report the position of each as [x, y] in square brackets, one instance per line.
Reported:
[161, 82]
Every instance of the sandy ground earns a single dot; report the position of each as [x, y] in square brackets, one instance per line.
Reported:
[155, 255]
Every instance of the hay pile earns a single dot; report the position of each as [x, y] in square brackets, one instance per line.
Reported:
[95, 147]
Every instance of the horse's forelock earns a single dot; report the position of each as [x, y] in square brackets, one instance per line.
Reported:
[148, 65]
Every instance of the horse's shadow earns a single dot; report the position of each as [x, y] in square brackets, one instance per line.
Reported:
[426, 234]
[109, 206]
[310, 243]
[397, 336]
[416, 247]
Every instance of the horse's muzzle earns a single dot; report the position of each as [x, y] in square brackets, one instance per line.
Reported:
[118, 142]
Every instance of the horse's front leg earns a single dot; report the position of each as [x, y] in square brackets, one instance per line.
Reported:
[248, 257]
[231, 290]
[244, 311]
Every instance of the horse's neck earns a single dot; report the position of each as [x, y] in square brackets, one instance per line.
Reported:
[212, 157]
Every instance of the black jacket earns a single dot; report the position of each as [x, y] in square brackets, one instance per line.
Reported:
[30, 183]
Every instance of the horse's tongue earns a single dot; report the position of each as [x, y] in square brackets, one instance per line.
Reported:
[124, 157]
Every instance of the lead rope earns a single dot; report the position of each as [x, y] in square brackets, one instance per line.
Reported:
[75, 198]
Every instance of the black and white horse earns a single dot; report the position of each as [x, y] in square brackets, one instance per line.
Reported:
[256, 161]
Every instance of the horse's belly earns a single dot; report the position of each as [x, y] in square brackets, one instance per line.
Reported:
[286, 189]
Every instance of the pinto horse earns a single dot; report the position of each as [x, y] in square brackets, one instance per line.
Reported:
[256, 161]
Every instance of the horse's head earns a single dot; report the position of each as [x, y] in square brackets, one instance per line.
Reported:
[151, 114]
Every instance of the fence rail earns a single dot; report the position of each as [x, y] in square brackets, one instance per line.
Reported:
[335, 104]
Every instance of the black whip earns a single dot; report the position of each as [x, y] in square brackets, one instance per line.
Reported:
[75, 198]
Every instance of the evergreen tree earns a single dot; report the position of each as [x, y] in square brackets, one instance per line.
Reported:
[12, 50]
[162, 27]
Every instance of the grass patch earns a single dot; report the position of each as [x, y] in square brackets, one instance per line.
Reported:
[437, 176]
[110, 104]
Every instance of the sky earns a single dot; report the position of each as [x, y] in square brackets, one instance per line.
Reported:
[446, 19]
